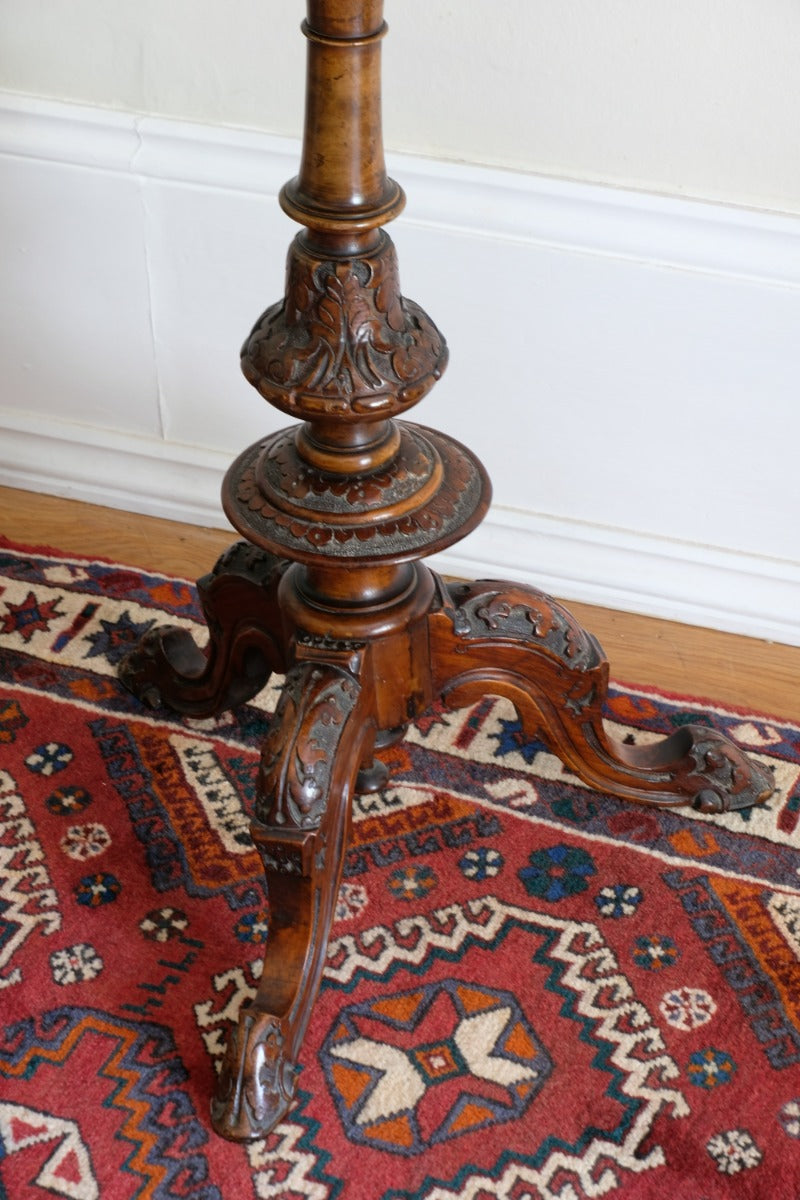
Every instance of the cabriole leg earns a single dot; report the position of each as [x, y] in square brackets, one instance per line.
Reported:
[309, 763]
[514, 641]
[239, 600]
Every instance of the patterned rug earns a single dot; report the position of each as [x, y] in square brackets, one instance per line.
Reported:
[532, 990]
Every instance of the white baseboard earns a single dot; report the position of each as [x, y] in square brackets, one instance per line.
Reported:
[625, 364]
[616, 568]
[620, 569]
[134, 474]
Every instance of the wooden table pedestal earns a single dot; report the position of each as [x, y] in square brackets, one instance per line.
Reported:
[329, 590]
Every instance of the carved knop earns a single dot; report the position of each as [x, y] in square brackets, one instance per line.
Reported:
[344, 341]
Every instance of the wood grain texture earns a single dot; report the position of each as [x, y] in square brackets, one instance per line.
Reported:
[643, 651]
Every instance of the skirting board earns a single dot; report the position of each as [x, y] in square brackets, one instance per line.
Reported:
[167, 463]
[616, 568]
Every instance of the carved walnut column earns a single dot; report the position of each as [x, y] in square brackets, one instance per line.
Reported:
[328, 589]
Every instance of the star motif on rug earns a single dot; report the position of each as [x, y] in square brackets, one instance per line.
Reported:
[654, 952]
[789, 1117]
[67, 800]
[85, 841]
[116, 638]
[687, 1008]
[163, 924]
[556, 872]
[75, 964]
[512, 737]
[253, 927]
[416, 1069]
[30, 617]
[95, 890]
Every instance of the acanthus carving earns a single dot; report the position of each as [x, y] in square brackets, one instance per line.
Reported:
[252, 563]
[245, 568]
[298, 752]
[527, 616]
[483, 636]
[239, 601]
[344, 340]
[727, 774]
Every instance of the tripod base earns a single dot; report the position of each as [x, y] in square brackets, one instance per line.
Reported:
[353, 679]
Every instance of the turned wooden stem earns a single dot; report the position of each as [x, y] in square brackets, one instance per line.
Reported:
[347, 353]
[342, 192]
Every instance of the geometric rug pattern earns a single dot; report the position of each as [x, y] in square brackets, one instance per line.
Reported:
[532, 990]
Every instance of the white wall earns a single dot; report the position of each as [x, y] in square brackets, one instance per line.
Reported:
[690, 97]
[625, 364]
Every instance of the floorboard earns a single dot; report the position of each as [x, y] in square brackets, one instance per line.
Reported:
[643, 651]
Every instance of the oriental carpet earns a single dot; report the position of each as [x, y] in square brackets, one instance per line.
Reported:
[532, 990]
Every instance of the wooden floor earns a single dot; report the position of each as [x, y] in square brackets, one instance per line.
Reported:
[761, 676]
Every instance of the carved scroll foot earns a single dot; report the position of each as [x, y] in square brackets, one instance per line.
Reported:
[239, 600]
[256, 1085]
[309, 762]
[517, 642]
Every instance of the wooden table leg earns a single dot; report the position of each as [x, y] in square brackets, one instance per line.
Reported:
[516, 642]
[309, 763]
[240, 602]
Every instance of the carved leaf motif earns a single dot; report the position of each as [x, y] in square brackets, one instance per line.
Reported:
[406, 361]
[304, 787]
[527, 616]
[329, 313]
[357, 314]
[254, 1084]
[327, 712]
[492, 612]
[344, 338]
[300, 746]
[389, 301]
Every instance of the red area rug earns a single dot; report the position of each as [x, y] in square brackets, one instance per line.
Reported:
[532, 990]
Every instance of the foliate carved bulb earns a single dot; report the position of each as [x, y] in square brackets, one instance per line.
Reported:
[344, 341]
